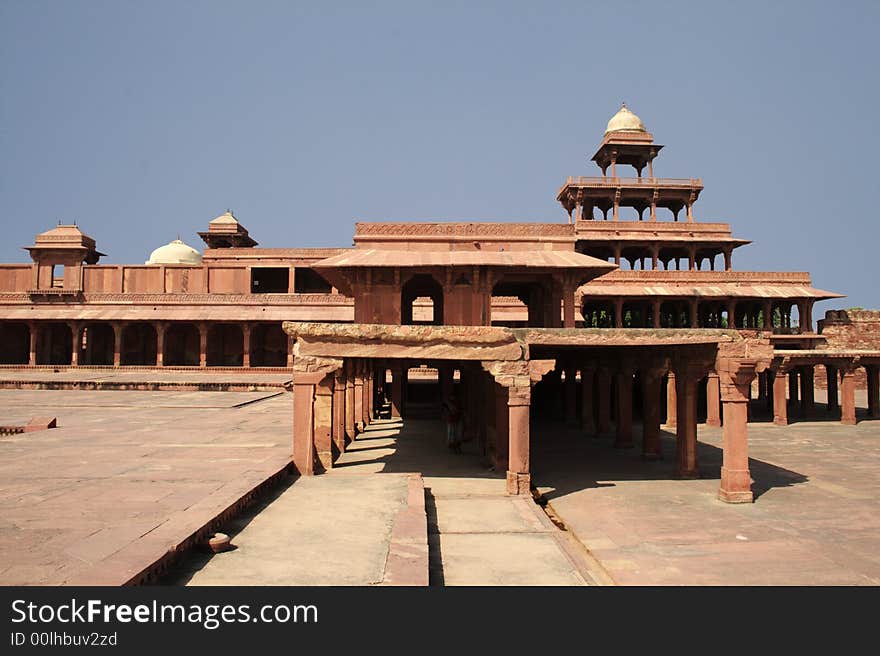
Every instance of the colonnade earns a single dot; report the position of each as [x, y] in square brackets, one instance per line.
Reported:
[145, 343]
[334, 400]
[634, 312]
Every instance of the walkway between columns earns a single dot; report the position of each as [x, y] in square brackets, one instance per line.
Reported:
[478, 535]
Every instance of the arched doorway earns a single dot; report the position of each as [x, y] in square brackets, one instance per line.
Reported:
[55, 344]
[139, 344]
[181, 346]
[96, 343]
[15, 343]
[268, 345]
[421, 286]
[225, 345]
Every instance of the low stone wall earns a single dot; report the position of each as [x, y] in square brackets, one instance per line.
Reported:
[849, 329]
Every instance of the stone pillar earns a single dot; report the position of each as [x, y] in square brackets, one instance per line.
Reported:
[570, 394]
[446, 372]
[369, 393]
[671, 403]
[360, 425]
[588, 422]
[323, 420]
[736, 480]
[808, 406]
[117, 343]
[160, 327]
[780, 405]
[246, 345]
[618, 313]
[303, 426]
[793, 389]
[397, 390]
[34, 330]
[624, 438]
[501, 429]
[727, 263]
[604, 411]
[831, 378]
[848, 395]
[713, 400]
[568, 308]
[694, 318]
[652, 379]
[203, 345]
[350, 395]
[655, 311]
[687, 465]
[518, 401]
[75, 331]
[768, 315]
[873, 375]
[731, 313]
[339, 410]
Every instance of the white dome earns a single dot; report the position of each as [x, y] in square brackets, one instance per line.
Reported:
[625, 121]
[175, 252]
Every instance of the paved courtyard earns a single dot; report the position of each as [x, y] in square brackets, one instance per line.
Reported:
[815, 521]
[126, 475]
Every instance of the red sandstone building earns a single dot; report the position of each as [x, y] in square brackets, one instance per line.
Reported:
[629, 313]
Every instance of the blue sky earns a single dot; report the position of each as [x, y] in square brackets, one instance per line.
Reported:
[142, 120]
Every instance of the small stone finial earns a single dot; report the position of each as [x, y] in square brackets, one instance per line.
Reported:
[623, 105]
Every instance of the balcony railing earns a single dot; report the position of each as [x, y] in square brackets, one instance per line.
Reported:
[596, 181]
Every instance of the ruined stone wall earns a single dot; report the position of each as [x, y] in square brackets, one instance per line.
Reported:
[849, 329]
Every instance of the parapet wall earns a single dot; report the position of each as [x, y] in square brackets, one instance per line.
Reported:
[849, 329]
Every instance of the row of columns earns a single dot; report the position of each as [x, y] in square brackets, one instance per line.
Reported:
[330, 409]
[694, 319]
[693, 256]
[798, 383]
[76, 332]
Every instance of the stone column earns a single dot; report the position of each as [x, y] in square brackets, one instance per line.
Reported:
[687, 465]
[604, 411]
[831, 378]
[360, 425]
[160, 327]
[588, 422]
[323, 420]
[694, 318]
[303, 426]
[518, 402]
[624, 438]
[768, 315]
[780, 405]
[568, 308]
[246, 345]
[727, 263]
[339, 410]
[731, 313]
[655, 311]
[671, 403]
[75, 331]
[873, 375]
[203, 345]
[350, 395]
[793, 390]
[501, 429]
[446, 372]
[808, 406]
[848, 395]
[736, 480]
[570, 394]
[652, 379]
[713, 400]
[618, 313]
[117, 343]
[397, 390]
[34, 331]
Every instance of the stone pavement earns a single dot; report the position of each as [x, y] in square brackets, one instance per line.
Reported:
[815, 521]
[322, 530]
[477, 534]
[139, 378]
[126, 476]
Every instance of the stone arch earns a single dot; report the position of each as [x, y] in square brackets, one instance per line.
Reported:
[225, 345]
[421, 285]
[268, 345]
[139, 344]
[182, 345]
[15, 342]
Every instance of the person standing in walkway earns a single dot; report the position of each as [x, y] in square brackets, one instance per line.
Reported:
[452, 411]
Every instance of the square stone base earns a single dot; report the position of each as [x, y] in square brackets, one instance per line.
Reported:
[518, 483]
[736, 496]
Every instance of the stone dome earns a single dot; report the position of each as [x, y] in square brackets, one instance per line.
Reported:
[625, 121]
[227, 217]
[175, 252]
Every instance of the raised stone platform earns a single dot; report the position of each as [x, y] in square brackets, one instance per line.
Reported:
[128, 480]
[141, 378]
